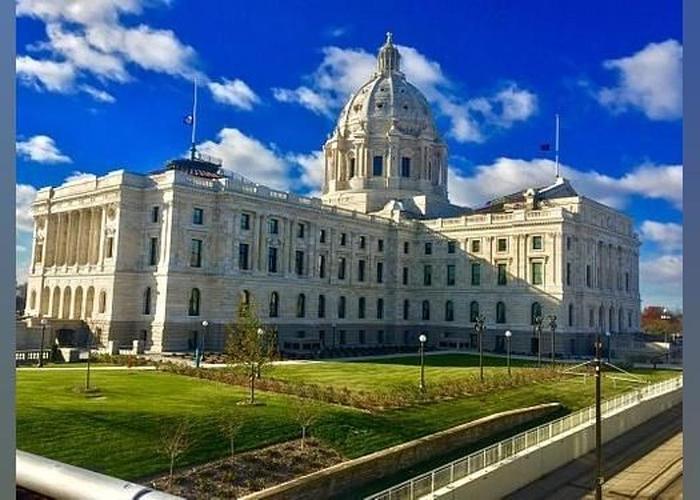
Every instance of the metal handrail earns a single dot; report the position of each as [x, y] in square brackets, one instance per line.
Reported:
[62, 481]
[427, 483]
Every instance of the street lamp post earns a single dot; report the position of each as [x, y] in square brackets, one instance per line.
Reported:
[598, 421]
[41, 346]
[480, 327]
[508, 334]
[200, 344]
[553, 328]
[538, 332]
[665, 316]
[422, 339]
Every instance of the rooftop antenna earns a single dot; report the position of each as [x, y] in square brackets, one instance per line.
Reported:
[193, 149]
[556, 146]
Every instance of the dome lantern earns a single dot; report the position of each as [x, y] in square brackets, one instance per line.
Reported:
[389, 59]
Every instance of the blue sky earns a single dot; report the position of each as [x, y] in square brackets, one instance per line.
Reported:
[104, 84]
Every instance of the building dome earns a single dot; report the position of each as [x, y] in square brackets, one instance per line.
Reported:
[385, 145]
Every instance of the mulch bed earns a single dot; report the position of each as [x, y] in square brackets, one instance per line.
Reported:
[249, 472]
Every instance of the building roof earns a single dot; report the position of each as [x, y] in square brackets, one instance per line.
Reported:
[199, 166]
[561, 188]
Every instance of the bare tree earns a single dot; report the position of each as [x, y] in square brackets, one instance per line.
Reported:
[250, 345]
[175, 442]
[305, 413]
[230, 423]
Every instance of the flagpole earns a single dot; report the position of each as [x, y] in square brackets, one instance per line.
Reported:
[194, 121]
[556, 145]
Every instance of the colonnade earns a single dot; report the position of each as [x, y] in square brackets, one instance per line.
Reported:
[74, 237]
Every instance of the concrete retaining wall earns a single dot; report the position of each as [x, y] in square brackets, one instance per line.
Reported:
[344, 477]
[522, 470]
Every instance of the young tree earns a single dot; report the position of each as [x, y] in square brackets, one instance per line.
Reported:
[175, 442]
[230, 423]
[305, 413]
[250, 345]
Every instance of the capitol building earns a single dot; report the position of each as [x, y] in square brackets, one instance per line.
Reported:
[380, 258]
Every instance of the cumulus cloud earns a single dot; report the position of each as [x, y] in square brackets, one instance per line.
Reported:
[312, 168]
[343, 71]
[661, 280]
[667, 235]
[87, 42]
[234, 93]
[507, 175]
[25, 195]
[649, 80]
[77, 176]
[41, 149]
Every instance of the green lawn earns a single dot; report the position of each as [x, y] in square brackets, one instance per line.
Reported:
[119, 434]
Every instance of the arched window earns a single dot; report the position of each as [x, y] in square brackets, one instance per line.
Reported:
[406, 309]
[473, 311]
[245, 298]
[341, 307]
[620, 320]
[301, 305]
[45, 295]
[89, 302]
[571, 315]
[195, 298]
[102, 304]
[321, 306]
[535, 312]
[426, 310]
[56, 302]
[32, 300]
[449, 311]
[147, 300]
[500, 312]
[274, 304]
[67, 295]
[611, 319]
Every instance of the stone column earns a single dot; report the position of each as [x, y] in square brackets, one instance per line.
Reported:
[58, 248]
[103, 224]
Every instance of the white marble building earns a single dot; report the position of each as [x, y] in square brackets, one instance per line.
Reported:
[382, 256]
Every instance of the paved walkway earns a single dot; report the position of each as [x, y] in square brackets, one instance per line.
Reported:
[575, 480]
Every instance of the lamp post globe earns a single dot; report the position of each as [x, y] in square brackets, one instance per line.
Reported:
[422, 339]
[508, 335]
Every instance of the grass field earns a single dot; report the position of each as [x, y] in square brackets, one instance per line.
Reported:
[119, 433]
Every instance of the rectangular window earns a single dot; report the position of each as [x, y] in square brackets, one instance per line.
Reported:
[501, 245]
[243, 251]
[537, 242]
[427, 275]
[537, 277]
[321, 266]
[299, 262]
[568, 242]
[405, 276]
[378, 166]
[109, 247]
[568, 273]
[341, 268]
[272, 259]
[476, 273]
[153, 252]
[380, 245]
[361, 270]
[361, 337]
[627, 282]
[451, 246]
[196, 254]
[380, 308]
[343, 239]
[502, 275]
[322, 236]
[450, 274]
[380, 272]
[245, 222]
[476, 246]
[406, 247]
[352, 168]
[591, 322]
[155, 214]
[588, 275]
[428, 248]
[300, 229]
[363, 242]
[405, 167]
[273, 226]
[341, 311]
[361, 308]
[198, 216]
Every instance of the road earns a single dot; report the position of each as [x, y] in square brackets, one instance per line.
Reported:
[646, 459]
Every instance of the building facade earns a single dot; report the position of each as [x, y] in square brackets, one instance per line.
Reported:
[381, 257]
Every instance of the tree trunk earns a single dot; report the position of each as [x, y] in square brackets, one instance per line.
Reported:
[170, 477]
[252, 385]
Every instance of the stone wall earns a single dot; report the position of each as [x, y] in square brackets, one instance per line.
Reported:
[343, 478]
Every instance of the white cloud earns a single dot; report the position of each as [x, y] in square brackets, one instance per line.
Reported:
[661, 280]
[667, 235]
[235, 93]
[44, 74]
[77, 176]
[25, 195]
[78, 11]
[507, 175]
[343, 71]
[649, 80]
[41, 149]
[97, 94]
[250, 158]
[312, 168]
